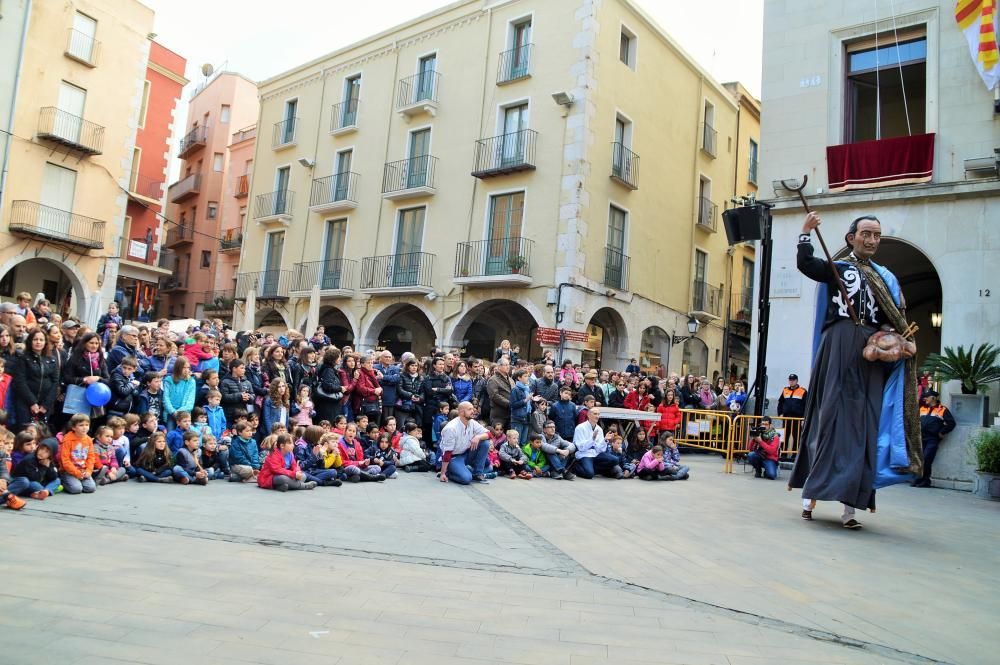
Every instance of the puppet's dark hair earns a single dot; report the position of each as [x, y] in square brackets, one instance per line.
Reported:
[853, 228]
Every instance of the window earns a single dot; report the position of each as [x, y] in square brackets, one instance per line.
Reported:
[426, 74]
[700, 300]
[705, 205]
[224, 113]
[615, 271]
[58, 191]
[206, 258]
[81, 40]
[708, 133]
[627, 44]
[622, 166]
[342, 177]
[145, 104]
[409, 245]
[126, 234]
[69, 123]
[286, 131]
[217, 162]
[886, 87]
[504, 233]
[133, 180]
[213, 210]
[352, 95]
[515, 63]
[420, 144]
[332, 269]
[752, 175]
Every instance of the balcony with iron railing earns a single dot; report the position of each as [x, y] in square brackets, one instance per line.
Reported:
[244, 134]
[192, 141]
[185, 188]
[219, 302]
[179, 234]
[335, 278]
[34, 220]
[70, 131]
[494, 262]
[515, 64]
[505, 154]
[418, 94]
[241, 187]
[284, 133]
[709, 137]
[145, 189]
[344, 116]
[167, 259]
[266, 285]
[741, 306]
[231, 240]
[333, 193]
[707, 218]
[409, 178]
[616, 268]
[398, 274]
[274, 207]
[174, 284]
[706, 301]
[624, 166]
[82, 47]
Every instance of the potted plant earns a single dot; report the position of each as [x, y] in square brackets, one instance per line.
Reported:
[985, 447]
[975, 368]
[516, 262]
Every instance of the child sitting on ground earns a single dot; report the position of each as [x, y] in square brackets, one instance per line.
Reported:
[411, 456]
[616, 450]
[512, 459]
[155, 464]
[383, 456]
[215, 463]
[651, 466]
[244, 455]
[318, 463]
[106, 469]
[339, 425]
[395, 437]
[187, 468]
[120, 443]
[537, 463]
[672, 458]
[440, 420]
[281, 471]
[354, 456]
[175, 439]
[36, 475]
[77, 458]
[23, 445]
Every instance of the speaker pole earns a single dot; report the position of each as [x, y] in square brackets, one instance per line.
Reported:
[763, 313]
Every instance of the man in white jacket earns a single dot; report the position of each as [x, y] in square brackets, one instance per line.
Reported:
[592, 449]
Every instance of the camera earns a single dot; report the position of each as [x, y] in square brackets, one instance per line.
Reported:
[757, 431]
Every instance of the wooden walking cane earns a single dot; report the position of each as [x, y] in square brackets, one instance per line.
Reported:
[836, 273]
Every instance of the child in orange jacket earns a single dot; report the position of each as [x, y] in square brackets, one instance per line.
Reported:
[77, 457]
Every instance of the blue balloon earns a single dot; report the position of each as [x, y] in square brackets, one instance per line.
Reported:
[98, 394]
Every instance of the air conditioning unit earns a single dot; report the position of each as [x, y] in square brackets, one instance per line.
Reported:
[983, 166]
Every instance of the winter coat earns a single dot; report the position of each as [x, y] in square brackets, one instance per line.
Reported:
[160, 363]
[649, 462]
[409, 387]
[389, 382]
[271, 414]
[352, 454]
[346, 384]
[670, 417]
[232, 390]
[76, 455]
[121, 350]
[463, 389]
[594, 390]
[520, 404]
[499, 388]
[275, 465]
[124, 393]
[30, 468]
[564, 416]
[257, 380]
[35, 381]
[510, 453]
[305, 375]
[548, 390]
[435, 388]
[364, 389]
[151, 403]
[244, 452]
[536, 421]
[178, 395]
[216, 420]
[636, 401]
[616, 399]
[535, 459]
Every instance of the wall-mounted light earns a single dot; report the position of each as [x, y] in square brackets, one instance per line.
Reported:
[936, 319]
[306, 162]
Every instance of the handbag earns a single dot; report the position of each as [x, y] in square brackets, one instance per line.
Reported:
[372, 409]
[76, 400]
[335, 395]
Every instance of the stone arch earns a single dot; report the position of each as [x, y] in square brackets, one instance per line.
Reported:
[654, 348]
[482, 327]
[409, 329]
[331, 315]
[695, 358]
[82, 301]
[269, 317]
[608, 327]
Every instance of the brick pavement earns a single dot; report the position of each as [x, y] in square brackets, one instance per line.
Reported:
[657, 573]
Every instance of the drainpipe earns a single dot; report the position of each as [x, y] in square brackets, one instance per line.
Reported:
[314, 294]
[8, 132]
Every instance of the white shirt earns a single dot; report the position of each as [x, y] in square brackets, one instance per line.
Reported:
[457, 438]
[589, 440]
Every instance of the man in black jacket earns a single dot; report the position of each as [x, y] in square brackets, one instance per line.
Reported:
[590, 387]
[548, 388]
[237, 392]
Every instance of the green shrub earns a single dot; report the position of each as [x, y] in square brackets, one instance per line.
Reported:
[986, 448]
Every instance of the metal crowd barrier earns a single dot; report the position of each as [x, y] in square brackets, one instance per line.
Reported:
[729, 435]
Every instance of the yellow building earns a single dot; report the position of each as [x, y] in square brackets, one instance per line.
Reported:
[474, 174]
[77, 101]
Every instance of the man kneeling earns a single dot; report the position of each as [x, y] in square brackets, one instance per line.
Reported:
[765, 444]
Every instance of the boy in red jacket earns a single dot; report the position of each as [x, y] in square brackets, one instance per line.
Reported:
[280, 471]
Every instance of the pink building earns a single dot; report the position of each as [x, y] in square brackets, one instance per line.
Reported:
[217, 110]
[234, 214]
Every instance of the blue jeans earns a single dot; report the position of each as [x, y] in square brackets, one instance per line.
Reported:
[556, 461]
[318, 476]
[153, 477]
[458, 467]
[522, 432]
[21, 486]
[74, 485]
[758, 462]
[605, 464]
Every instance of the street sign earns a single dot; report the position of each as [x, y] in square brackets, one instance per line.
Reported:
[556, 336]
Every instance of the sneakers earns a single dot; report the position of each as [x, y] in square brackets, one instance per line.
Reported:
[758, 473]
[168, 480]
[852, 524]
[807, 514]
[524, 475]
[356, 478]
[281, 488]
[481, 480]
[333, 482]
[310, 485]
[14, 502]
[394, 475]
[41, 495]
[490, 475]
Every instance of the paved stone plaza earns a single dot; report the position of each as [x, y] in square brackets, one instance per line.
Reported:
[716, 570]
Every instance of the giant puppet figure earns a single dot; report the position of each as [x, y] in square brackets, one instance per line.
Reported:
[861, 430]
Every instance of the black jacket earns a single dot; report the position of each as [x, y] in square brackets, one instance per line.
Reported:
[232, 390]
[549, 390]
[408, 389]
[29, 468]
[124, 393]
[77, 369]
[587, 390]
[436, 388]
[616, 399]
[35, 381]
[329, 379]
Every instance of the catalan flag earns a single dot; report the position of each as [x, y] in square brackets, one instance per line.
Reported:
[978, 20]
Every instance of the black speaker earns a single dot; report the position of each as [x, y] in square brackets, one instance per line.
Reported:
[744, 223]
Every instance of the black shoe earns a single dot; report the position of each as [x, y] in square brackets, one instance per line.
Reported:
[757, 473]
[354, 479]
[807, 514]
[568, 475]
[852, 524]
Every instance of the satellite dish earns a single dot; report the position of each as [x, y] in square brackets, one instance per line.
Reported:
[207, 69]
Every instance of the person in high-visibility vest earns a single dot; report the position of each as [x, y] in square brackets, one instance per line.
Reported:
[935, 421]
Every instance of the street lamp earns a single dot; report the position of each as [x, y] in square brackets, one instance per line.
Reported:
[692, 328]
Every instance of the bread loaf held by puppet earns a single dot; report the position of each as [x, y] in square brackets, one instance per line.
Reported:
[888, 346]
